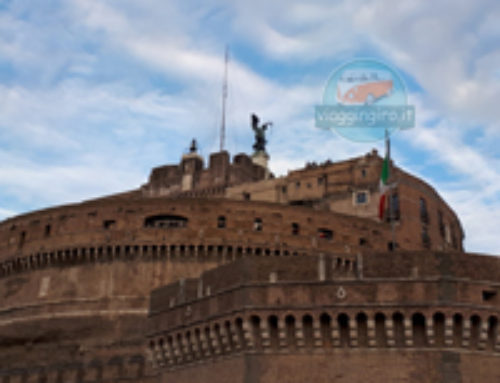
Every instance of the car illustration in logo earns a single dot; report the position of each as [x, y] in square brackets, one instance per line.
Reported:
[363, 87]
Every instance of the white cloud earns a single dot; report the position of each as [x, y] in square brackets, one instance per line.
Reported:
[474, 189]
[6, 213]
[69, 120]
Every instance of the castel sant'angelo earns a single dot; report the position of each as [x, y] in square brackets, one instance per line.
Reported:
[223, 273]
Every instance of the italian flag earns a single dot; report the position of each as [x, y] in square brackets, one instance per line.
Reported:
[383, 187]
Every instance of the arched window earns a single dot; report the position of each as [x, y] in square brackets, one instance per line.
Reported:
[255, 325]
[439, 327]
[492, 332]
[380, 330]
[458, 328]
[419, 330]
[198, 342]
[343, 323]
[326, 329]
[290, 330]
[362, 325]
[307, 325]
[272, 322]
[475, 330]
[240, 332]
[399, 330]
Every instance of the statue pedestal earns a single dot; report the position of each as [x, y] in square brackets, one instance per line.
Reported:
[261, 158]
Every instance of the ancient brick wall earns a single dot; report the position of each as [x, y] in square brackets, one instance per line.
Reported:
[317, 318]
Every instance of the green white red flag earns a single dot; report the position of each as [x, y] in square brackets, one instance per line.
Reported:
[384, 177]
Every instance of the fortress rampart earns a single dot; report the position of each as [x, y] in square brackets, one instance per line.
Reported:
[258, 270]
[324, 308]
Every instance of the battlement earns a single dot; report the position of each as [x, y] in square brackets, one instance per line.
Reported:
[325, 304]
[190, 178]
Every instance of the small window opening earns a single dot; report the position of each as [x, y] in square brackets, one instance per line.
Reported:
[166, 221]
[361, 198]
[424, 216]
[489, 295]
[454, 241]
[297, 184]
[221, 222]
[284, 189]
[295, 228]
[246, 196]
[426, 240]
[392, 246]
[394, 212]
[321, 180]
[363, 242]
[325, 234]
[22, 239]
[442, 230]
[257, 224]
[363, 173]
[109, 223]
[47, 230]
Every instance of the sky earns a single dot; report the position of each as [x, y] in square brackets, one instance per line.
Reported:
[93, 94]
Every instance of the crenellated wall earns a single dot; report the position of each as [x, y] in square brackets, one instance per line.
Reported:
[325, 307]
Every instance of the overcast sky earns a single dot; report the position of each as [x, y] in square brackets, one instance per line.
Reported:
[95, 93]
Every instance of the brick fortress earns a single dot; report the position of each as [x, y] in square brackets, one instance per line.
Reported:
[224, 273]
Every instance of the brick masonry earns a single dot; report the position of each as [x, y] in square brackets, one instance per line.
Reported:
[76, 280]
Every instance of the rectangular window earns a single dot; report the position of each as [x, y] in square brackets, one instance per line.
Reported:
[442, 230]
[361, 198]
[424, 216]
[22, 239]
[489, 295]
[325, 234]
[392, 246]
[426, 240]
[109, 223]
[221, 222]
[394, 207]
[257, 224]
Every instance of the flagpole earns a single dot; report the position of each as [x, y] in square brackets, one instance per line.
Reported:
[391, 218]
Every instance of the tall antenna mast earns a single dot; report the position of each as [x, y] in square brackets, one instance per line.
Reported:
[224, 99]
